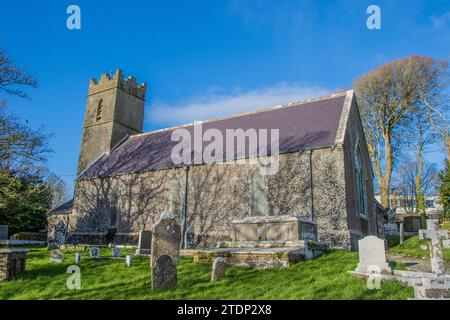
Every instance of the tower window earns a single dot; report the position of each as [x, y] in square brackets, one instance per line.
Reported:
[99, 110]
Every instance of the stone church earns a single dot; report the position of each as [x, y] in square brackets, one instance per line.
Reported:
[127, 179]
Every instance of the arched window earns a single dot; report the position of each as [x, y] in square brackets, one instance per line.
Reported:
[360, 183]
[99, 110]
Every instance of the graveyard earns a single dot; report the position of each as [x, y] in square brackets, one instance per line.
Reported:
[109, 278]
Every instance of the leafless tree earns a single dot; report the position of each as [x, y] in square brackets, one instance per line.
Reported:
[387, 97]
[14, 78]
[405, 184]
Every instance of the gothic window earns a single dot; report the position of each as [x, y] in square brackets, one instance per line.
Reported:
[360, 185]
[99, 110]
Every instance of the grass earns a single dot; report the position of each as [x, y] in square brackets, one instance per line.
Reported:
[322, 278]
[411, 248]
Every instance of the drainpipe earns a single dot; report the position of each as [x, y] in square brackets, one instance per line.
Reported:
[311, 196]
[185, 202]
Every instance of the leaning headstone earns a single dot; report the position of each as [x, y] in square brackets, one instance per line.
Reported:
[94, 252]
[218, 269]
[372, 255]
[56, 256]
[145, 242]
[3, 232]
[115, 252]
[258, 194]
[128, 260]
[165, 252]
[77, 257]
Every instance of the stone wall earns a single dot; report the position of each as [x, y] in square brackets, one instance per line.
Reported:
[12, 264]
[217, 194]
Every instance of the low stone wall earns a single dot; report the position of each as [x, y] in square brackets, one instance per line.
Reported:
[12, 263]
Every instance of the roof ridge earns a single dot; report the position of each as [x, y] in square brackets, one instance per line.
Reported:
[274, 107]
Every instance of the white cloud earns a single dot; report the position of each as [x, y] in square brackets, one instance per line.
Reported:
[440, 21]
[213, 105]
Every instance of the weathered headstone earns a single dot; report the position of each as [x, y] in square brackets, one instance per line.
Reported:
[165, 251]
[437, 287]
[145, 242]
[77, 257]
[218, 269]
[56, 256]
[436, 236]
[128, 260]
[164, 273]
[3, 232]
[372, 255]
[94, 252]
[258, 194]
[189, 238]
[115, 251]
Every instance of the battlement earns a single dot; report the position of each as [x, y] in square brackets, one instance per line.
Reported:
[117, 80]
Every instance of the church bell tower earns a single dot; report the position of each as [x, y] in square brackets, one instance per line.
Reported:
[114, 110]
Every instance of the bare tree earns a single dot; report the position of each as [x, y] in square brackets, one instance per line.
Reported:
[387, 97]
[405, 184]
[13, 78]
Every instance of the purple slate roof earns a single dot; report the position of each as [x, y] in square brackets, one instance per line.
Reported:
[309, 125]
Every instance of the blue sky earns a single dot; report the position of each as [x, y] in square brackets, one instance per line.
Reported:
[203, 58]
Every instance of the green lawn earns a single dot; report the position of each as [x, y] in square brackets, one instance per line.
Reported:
[411, 248]
[322, 278]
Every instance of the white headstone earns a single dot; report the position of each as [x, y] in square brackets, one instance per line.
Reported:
[77, 257]
[372, 253]
[128, 260]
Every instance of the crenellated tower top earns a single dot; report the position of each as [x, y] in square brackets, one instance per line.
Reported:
[117, 80]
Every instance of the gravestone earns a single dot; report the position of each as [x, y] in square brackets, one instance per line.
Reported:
[145, 242]
[94, 252]
[437, 287]
[218, 269]
[77, 257]
[402, 228]
[189, 238]
[56, 256]
[3, 232]
[128, 260]
[258, 194]
[164, 273]
[165, 251]
[436, 236]
[115, 251]
[372, 255]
